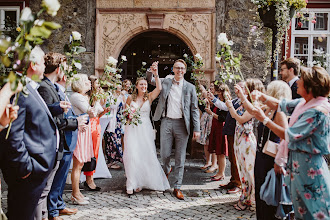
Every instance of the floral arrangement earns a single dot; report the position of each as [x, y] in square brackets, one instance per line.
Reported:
[111, 77]
[321, 59]
[71, 50]
[142, 71]
[194, 64]
[130, 116]
[15, 53]
[229, 65]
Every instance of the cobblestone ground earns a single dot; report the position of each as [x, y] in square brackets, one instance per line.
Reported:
[203, 199]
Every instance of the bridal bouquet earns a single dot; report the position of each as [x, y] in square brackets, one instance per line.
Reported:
[131, 115]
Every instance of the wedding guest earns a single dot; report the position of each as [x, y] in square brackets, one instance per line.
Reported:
[263, 162]
[290, 68]
[127, 88]
[84, 148]
[211, 146]
[142, 168]
[217, 140]
[97, 100]
[113, 132]
[54, 63]
[206, 123]
[229, 130]
[307, 138]
[29, 154]
[245, 146]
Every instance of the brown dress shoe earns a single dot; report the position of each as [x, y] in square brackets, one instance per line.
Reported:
[68, 211]
[169, 173]
[55, 218]
[178, 194]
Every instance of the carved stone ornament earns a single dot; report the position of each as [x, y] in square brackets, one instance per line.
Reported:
[114, 30]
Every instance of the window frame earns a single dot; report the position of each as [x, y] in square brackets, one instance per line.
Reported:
[310, 34]
[8, 8]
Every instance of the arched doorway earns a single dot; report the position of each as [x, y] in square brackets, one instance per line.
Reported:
[153, 46]
[149, 47]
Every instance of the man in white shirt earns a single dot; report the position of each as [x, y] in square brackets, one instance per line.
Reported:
[177, 106]
[289, 72]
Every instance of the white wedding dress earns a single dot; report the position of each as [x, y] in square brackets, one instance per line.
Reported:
[142, 168]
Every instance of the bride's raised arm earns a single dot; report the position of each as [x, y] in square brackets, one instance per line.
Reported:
[154, 94]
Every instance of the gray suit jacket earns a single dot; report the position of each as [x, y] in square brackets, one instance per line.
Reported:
[189, 102]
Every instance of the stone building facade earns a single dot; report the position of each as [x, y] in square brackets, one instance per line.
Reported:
[107, 25]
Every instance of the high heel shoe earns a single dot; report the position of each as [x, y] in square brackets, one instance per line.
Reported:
[205, 167]
[217, 179]
[90, 189]
[138, 190]
[77, 202]
[129, 192]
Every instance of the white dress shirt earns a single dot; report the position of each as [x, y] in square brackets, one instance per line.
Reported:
[174, 102]
[292, 81]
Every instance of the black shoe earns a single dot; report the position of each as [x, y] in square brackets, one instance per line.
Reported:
[90, 189]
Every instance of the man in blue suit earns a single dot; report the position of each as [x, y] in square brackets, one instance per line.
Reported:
[55, 62]
[28, 155]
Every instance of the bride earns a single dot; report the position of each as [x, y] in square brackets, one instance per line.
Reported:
[142, 167]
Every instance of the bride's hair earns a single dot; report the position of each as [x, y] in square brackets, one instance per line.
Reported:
[135, 92]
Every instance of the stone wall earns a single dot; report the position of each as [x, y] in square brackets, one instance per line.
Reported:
[235, 18]
[74, 15]
[232, 17]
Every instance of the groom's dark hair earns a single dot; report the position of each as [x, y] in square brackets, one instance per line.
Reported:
[181, 61]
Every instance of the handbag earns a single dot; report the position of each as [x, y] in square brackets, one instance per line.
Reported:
[270, 147]
[89, 166]
[153, 126]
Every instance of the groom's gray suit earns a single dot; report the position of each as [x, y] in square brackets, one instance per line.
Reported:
[176, 129]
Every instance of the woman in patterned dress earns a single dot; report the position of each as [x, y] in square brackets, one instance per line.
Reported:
[245, 144]
[113, 132]
[307, 138]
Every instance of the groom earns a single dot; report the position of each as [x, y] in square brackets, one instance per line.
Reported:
[177, 106]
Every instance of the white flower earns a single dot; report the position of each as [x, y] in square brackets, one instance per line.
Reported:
[112, 70]
[124, 58]
[222, 39]
[76, 35]
[118, 76]
[112, 61]
[198, 56]
[26, 15]
[144, 63]
[78, 65]
[230, 42]
[39, 22]
[185, 55]
[52, 6]
[217, 59]
[36, 55]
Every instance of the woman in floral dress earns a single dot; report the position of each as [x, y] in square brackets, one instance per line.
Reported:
[113, 132]
[245, 144]
[307, 138]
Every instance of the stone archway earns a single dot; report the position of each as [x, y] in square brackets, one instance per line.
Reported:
[119, 21]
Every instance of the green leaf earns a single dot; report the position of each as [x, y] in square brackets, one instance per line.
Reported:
[41, 31]
[6, 61]
[80, 49]
[12, 77]
[4, 44]
[51, 25]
